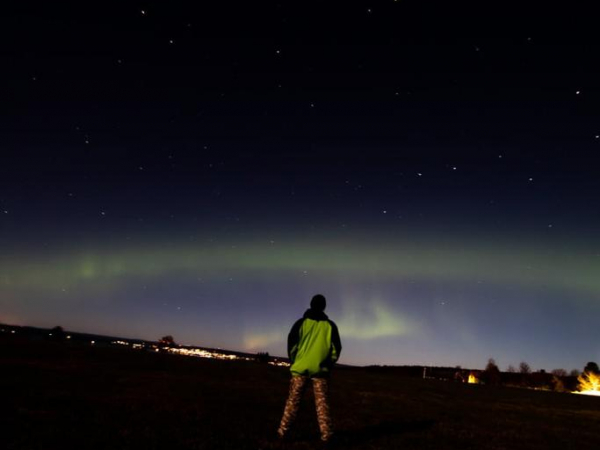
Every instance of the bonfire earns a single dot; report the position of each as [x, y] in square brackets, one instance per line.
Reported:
[589, 383]
[473, 379]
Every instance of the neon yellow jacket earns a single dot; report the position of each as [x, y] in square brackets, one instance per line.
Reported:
[314, 345]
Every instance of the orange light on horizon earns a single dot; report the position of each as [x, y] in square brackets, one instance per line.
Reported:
[589, 384]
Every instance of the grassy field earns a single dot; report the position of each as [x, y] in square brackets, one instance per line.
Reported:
[60, 396]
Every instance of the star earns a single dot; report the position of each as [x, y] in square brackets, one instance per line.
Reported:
[143, 12]
[577, 92]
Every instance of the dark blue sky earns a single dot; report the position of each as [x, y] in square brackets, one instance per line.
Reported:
[202, 170]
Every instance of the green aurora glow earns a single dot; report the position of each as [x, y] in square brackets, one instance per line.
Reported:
[502, 264]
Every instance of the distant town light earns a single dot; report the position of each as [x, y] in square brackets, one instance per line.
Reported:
[196, 352]
[279, 363]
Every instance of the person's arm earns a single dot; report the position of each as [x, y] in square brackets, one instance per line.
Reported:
[294, 339]
[336, 343]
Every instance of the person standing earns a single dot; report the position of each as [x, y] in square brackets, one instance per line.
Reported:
[314, 346]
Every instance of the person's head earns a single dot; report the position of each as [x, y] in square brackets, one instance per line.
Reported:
[318, 303]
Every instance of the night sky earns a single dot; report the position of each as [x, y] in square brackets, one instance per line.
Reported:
[202, 169]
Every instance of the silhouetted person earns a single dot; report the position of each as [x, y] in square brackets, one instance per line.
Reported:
[313, 347]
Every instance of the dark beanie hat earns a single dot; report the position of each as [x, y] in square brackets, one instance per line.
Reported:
[318, 303]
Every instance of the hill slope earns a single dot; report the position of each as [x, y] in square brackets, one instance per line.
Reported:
[60, 396]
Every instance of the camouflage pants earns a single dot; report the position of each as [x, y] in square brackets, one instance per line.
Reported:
[320, 389]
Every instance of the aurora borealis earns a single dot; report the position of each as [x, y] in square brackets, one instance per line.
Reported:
[390, 297]
[182, 172]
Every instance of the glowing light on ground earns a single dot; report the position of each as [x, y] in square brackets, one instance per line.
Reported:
[197, 353]
[472, 379]
[201, 353]
[589, 384]
[596, 393]
[279, 363]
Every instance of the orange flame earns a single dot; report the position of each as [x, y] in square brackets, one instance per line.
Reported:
[589, 383]
[472, 379]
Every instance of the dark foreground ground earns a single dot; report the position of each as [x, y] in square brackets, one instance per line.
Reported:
[69, 397]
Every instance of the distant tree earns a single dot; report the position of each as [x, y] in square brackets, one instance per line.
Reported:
[592, 367]
[491, 365]
[559, 373]
[263, 357]
[459, 375]
[167, 341]
[511, 369]
[557, 384]
[574, 373]
[524, 368]
[491, 374]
